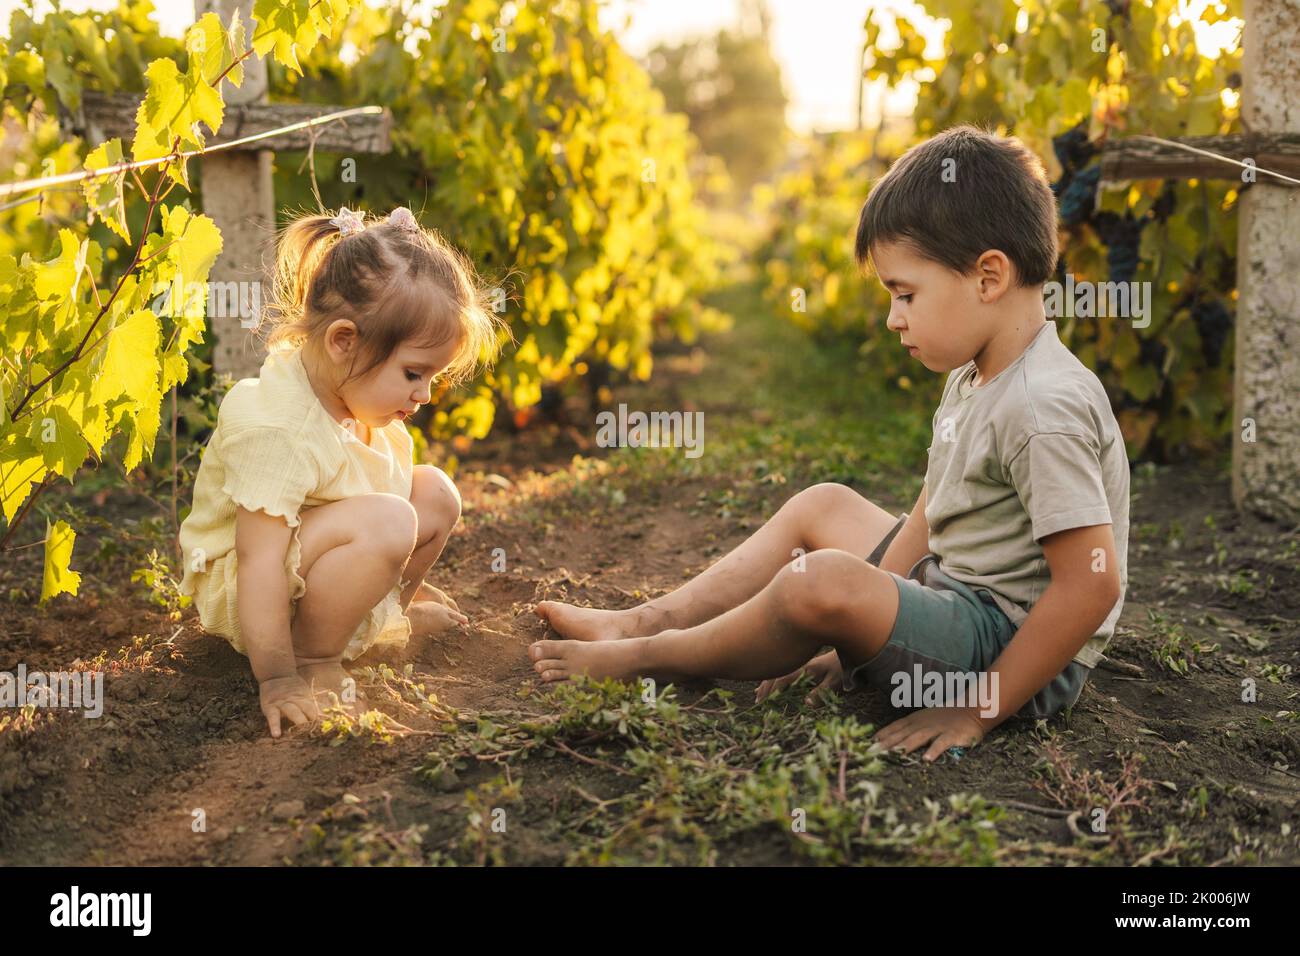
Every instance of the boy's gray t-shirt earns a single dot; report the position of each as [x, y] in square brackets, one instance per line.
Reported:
[1033, 451]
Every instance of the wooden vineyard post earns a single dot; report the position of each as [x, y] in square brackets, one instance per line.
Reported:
[237, 195]
[1266, 391]
[1266, 379]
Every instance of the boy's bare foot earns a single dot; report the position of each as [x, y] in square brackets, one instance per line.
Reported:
[429, 618]
[329, 678]
[560, 660]
[589, 623]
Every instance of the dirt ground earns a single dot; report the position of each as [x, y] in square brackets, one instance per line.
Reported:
[1216, 780]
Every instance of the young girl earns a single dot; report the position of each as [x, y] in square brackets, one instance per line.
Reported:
[311, 531]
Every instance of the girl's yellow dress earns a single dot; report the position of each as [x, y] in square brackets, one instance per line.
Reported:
[277, 449]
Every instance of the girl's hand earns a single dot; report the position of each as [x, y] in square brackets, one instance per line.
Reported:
[290, 698]
[826, 669]
[946, 727]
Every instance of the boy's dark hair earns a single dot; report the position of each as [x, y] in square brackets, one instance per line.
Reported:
[1000, 200]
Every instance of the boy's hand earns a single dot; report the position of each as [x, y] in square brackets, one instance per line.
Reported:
[946, 727]
[826, 669]
[290, 698]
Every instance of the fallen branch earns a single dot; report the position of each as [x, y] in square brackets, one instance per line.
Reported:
[1034, 808]
[604, 764]
[1072, 821]
[1121, 667]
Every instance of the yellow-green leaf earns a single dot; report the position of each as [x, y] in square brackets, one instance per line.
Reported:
[20, 465]
[59, 278]
[130, 360]
[197, 243]
[105, 195]
[56, 51]
[58, 577]
[59, 440]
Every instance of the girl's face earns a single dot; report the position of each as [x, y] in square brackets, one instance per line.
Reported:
[397, 387]
[392, 390]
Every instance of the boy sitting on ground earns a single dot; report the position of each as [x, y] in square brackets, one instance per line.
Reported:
[1011, 564]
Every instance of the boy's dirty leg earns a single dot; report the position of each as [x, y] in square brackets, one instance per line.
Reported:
[837, 599]
[824, 516]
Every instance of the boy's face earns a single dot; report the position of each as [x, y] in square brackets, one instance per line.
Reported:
[937, 313]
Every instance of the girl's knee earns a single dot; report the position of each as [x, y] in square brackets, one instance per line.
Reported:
[436, 500]
[389, 522]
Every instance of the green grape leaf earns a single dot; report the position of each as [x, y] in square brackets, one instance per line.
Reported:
[1076, 104]
[236, 42]
[26, 69]
[1141, 381]
[172, 110]
[92, 50]
[20, 329]
[12, 287]
[213, 49]
[129, 366]
[196, 243]
[20, 465]
[74, 394]
[59, 277]
[142, 436]
[58, 577]
[105, 194]
[175, 369]
[57, 52]
[284, 28]
[59, 439]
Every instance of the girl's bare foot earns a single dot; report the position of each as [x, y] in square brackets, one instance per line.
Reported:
[429, 618]
[328, 678]
[560, 660]
[428, 592]
[589, 623]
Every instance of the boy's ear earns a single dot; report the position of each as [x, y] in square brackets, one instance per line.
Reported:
[995, 274]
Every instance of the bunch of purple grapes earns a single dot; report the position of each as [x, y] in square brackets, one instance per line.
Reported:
[1214, 323]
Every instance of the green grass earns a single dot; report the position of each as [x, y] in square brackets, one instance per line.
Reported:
[780, 410]
[805, 410]
[676, 783]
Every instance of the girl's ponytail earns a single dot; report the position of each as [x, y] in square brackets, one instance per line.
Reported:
[303, 246]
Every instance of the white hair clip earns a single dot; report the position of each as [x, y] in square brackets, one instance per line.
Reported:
[402, 218]
[348, 222]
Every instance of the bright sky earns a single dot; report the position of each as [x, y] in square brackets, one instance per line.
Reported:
[817, 42]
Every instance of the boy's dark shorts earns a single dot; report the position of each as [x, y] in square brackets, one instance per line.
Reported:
[944, 626]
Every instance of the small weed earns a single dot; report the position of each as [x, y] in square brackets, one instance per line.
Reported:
[401, 690]
[1178, 652]
[145, 654]
[1275, 673]
[373, 726]
[1088, 791]
[164, 588]
[24, 720]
